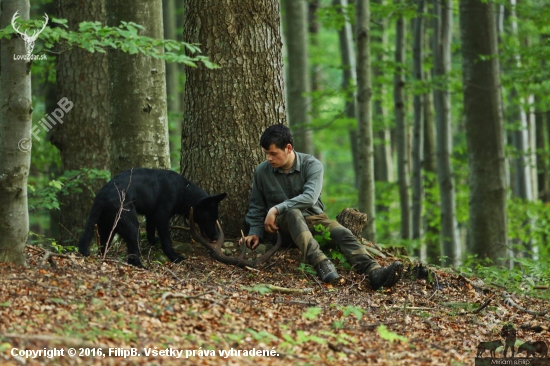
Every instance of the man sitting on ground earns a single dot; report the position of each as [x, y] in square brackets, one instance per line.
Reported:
[286, 197]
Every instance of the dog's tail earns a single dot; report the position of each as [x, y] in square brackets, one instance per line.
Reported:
[84, 242]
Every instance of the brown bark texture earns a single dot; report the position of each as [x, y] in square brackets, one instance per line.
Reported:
[139, 121]
[83, 137]
[15, 143]
[227, 109]
[484, 131]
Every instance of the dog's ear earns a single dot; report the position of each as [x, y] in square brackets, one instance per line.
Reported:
[211, 200]
[219, 197]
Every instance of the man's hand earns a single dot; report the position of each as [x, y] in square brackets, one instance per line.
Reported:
[269, 223]
[251, 241]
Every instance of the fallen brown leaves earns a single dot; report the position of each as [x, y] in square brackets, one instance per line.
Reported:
[202, 307]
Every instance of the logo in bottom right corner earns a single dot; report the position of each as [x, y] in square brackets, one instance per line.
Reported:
[536, 352]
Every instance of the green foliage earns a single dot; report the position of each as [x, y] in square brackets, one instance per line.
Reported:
[526, 274]
[94, 37]
[323, 238]
[72, 181]
[49, 243]
[259, 288]
[312, 313]
[306, 268]
[356, 311]
[388, 335]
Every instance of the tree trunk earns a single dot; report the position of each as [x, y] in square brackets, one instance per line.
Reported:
[298, 81]
[365, 158]
[139, 123]
[227, 109]
[430, 250]
[418, 126]
[443, 17]
[403, 168]
[541, 149]
[15, 144]
[172, 82]
[315, 70]
[349, 78]
[83, 137]
[484, 131]
[383, 163]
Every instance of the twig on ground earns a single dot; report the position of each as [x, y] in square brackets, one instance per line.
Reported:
[173, 275]
[483, 306]
[285, 290]
[509, 301]
[297, 302]
[52, 254]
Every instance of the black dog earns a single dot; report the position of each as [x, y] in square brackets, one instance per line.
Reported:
[157, 194]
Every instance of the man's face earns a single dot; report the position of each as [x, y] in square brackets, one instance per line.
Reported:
[279, 158]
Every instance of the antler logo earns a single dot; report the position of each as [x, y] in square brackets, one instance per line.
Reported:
[29, 40]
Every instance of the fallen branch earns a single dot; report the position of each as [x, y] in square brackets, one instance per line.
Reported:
[297, 302]
[509, 301]
[411, 308]
[483, 306]
[52, 254]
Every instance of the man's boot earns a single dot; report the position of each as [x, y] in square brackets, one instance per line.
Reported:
[326, 271]
[386, 276]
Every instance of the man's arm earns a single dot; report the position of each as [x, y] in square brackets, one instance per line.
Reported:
[311, 193]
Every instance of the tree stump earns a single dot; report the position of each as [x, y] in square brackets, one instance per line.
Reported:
[352, 219]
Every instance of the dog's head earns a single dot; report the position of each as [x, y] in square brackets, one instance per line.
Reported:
[205, 214]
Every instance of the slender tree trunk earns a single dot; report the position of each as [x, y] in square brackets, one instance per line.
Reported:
[383, 163]
[83, 137]
[541, 148]
[221, 129]
[172, 82]
[403, 168]
[315, 69]
[139, 122]
[349, 80]
[443, 17]
[418, 126]
[430, 250]
[15, 138]
[298, 80]
[484, 131]
[365, 159]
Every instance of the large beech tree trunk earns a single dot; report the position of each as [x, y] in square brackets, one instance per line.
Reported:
[139, 122]
[15, 143]
[83, 138]
[484, 130]
[227, 109]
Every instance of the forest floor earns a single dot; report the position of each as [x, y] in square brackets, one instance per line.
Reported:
[215, 314]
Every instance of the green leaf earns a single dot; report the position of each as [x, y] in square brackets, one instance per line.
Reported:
[312, 313]
[388, 335]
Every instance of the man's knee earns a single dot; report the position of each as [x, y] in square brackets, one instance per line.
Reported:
[293, 216]
[342, 234]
